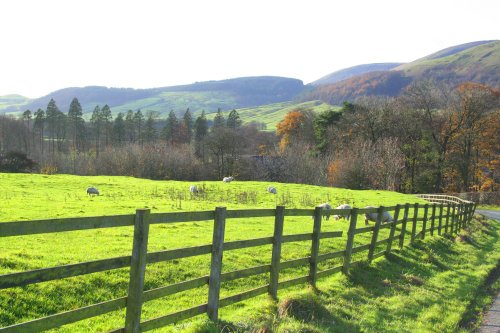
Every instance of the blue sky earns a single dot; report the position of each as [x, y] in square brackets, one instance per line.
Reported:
[52, 44]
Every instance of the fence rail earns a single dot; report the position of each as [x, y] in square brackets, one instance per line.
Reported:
[445, 214]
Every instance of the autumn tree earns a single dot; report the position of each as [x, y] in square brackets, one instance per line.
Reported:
[296, 126]
[475, 102]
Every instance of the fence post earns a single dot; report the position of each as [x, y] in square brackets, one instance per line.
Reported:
[424, 222]
[376, 229]
[433, 219]
[137, 271]
[393, 228]
[461, 216]
[276, 255]
[350, 241]
[448, 212]
[414, 226]
[403, 226]
[452, 226]
[457, 224]
[440, 224]
[313, 261]
[216, 263]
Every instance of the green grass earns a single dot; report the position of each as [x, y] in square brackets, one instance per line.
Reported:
[442, 284]
[26, 197]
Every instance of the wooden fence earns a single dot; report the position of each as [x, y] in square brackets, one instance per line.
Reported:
[445, 217]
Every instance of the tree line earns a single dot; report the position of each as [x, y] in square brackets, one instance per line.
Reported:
[432, 138]
[133, 143]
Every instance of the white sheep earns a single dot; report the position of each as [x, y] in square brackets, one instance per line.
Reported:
[386, 216]
[272, 189]
[326, 206]
[92, 191]
[193, 189]
[227, 179]
[347, 217]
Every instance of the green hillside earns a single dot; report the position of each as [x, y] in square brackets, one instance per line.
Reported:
[14, 102]
[208, 96]
[478, 62]
[272, 114]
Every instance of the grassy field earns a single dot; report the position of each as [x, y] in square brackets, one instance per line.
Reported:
[375, 298]
[272, 114]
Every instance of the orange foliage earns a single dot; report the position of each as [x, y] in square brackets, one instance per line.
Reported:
[289, 126]
[334, 170]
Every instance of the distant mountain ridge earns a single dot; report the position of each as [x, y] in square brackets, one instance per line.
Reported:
[347, 73]
[477, 62]
[209, 96]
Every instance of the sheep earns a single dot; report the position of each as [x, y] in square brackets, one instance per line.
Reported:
[386, 216]
[326, 206]
[347, 217]
[92, 191]
[272, 189]
[227, 179]
[193, 189]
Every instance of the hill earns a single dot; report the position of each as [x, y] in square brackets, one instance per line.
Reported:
[208, 96]
[270, 114]
[347, 73]
[478, 62]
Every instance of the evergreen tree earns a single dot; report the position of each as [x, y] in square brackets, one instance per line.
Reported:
[139, 124]
[233, 120]
[200, 132]
[119, 129]
[188, 124]
[97, 123]
[76, 124]
[38, 126]
[130, 126]
[107, 120]
[27, 117]
[169, 131]
[150, 134]
[219, 120]
[51, 117]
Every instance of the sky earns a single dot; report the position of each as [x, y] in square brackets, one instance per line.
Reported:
[53, 44]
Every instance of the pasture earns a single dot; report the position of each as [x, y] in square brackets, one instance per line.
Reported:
[27, 197]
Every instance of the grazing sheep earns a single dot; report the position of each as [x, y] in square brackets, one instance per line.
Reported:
[347, 217]
[272, 189]
[326, 206]
[227, 179]
[193, 189]
[386, 216]
[92, 191]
